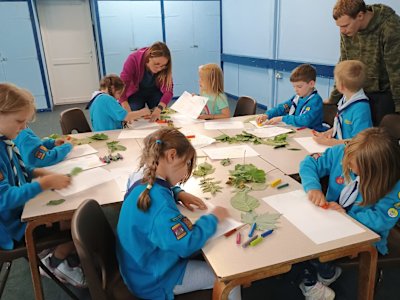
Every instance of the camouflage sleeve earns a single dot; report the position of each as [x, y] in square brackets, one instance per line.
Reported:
[391, 56]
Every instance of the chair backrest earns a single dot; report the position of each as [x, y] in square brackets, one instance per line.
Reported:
[94, 240]
[391, 123]
[245, 106]
[74, 119]
[329, 111]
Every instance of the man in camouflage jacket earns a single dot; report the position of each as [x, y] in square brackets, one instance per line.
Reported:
[371, 34]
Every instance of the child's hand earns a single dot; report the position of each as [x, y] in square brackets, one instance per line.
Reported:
[189, 200]
[145, 112]
[203, 117]
[261, 119]
[336, 206]
[54, 181]
[59, 142]
[220, 213]
[155, 115]
[322, 140]
[317, 197]
[274, 121]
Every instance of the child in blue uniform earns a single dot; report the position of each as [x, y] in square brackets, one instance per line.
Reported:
[370, 165]
[16, 110]
[211, 81]
[154, 240]
[105, 111]
[302, 110]
[354, 113]
[41, 153]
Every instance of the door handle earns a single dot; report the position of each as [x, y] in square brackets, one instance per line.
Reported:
[278, 75]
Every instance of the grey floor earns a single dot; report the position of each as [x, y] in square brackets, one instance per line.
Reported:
[19, 285]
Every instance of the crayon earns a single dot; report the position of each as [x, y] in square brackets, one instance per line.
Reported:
[282, 186]
[266, 233]
[253, 227]
[301, 128]
[190, 136]
[325, 206]
[247, 243]
[256, 241]
[238, 238]
[275, 182]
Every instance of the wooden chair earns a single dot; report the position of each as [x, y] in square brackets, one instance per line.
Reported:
[245, 106]
[74, 119]
[391, 123]
[329, 111]
[95, 243]
[48, 242]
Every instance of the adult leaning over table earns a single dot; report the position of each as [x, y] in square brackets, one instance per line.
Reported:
[147, 74]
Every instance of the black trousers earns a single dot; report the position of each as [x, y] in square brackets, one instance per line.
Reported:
[381, 104]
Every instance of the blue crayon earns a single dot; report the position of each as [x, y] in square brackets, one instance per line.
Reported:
[266, 233]
[253, 227]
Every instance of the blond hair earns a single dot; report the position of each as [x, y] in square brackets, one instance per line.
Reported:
[350, 73]
[213, 78]
[112, 83]
[304, 72]
[14, 99]
[155, 146]
[349, 8]
[377, 157]
[164, 77]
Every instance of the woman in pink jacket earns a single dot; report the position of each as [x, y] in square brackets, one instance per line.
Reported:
[147, 74]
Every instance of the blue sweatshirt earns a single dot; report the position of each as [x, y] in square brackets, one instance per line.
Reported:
[153, 246]
[13, 199]
[308, 112]
[379, 217]
[40, 153]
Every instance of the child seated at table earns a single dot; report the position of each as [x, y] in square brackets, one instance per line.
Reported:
[105, 111]
[211, 81]
[303, 109]
[354, 113]
[366, 185]
[16, 187]
[41, 153]
[154, 240]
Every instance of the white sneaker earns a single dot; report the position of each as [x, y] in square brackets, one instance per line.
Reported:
[317, 292]
[46, 261]
[328, 281]
[73, 276]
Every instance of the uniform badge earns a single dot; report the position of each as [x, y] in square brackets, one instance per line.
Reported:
[179, 231]
[43, 148]
[398, 195]
[392, 212]
[316, 155]
[286, 108]
[397, 205]
[39, 154]
[348, 122]
[308, 108]
[188, 223]
[177, 218]
[339, 180]
[1, 176]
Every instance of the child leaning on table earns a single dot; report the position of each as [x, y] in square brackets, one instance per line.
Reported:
[36, 152]
[304, 109]
[17, 108]
[105, 111]
[154, 240]
[211, 81]
[354, 113]
[364, 181]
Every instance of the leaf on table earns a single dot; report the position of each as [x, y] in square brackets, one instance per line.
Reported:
[244, 202]
[115, 146]
[203, 169]
[55, 202]
[75, 171]
[226, 162]
[99, 136]
[265, 221]
[209, 185]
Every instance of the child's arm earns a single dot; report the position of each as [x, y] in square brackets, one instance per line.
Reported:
[225, 113]
[133, 115]
[187, 199]
[313, 111]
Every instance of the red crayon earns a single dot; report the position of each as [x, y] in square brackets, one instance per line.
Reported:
[301, 128]
[238, 238]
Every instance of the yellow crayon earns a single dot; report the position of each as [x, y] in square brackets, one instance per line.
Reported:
[256, 241]
[275, 182]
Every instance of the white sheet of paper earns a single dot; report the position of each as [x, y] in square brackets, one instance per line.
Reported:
[213, 125]
[231, 152]
[268, 132]
[281, 124]
[181, 119]
[190, 105]
[84, 162]
[310, 145]
[199, 140]
[135, 134]
[81, 150]
[86, 180]
[143, 124]
[320, 225]
[227, 225]
[121, 176]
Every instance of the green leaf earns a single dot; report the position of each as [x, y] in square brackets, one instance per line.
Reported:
[226, 162]
[99, 136]
[244, 202]
[75, 171]
[115, 146]
[264, 221]
[246, 173]
[203, 169]
[55, 136]
[209, 186]
[55, 202]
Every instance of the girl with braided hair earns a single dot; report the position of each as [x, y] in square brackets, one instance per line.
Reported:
[154, 240]
[105, 111]
[16, 188]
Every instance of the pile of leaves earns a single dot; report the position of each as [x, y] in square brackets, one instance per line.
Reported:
[244, 137]
[265, 221]
[245, 174]
[277, 141]
[203, 170]
[99, 137]
[115, 146]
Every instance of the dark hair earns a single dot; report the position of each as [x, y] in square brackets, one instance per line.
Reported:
[349, 8]
[155, 146]
[111, 81]
[305, 72]
[159, 49]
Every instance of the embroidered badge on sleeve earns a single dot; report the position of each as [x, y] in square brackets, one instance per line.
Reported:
[1, 176]
[392, 212]
[286, 108]
[188, 223]
[179, 231]
[316, 155]
[40, 154]
[43, 148]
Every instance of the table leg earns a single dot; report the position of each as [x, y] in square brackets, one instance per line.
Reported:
[33, 262]
[367, 273]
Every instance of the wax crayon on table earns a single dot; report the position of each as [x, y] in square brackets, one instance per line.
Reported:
[266, 233]
[256, 241]
[253, 227]
[247, 243]
[283, 186]
[238, 238]
[275, 182]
